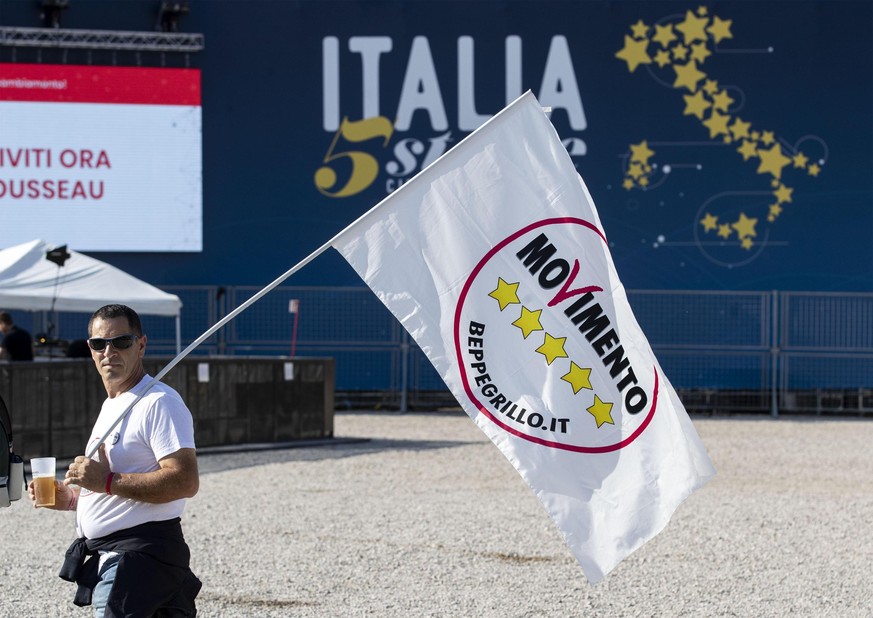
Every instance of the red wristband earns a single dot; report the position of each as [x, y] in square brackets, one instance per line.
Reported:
[109, 483]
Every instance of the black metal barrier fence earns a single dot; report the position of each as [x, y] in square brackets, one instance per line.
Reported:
[234, 400]
[723, 351]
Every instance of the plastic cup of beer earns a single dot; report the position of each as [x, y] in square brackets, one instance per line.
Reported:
[43, 471]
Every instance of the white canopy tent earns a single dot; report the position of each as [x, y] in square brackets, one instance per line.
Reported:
[30, 282]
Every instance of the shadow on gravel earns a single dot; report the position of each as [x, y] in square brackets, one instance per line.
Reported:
[242, 456]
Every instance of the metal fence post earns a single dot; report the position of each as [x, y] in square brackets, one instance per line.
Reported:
[774, 354]
[404, 370]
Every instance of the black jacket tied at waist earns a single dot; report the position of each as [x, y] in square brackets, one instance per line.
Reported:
[153, 576]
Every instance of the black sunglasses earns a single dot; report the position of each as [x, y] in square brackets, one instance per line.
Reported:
[122, 342]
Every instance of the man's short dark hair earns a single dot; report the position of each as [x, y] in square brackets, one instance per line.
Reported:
[5, 318]
[108, 312]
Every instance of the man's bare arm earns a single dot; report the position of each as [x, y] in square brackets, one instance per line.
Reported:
[177, 477]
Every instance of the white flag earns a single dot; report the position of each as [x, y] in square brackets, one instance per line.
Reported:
[494, 259]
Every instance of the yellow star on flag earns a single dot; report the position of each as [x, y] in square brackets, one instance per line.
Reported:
[772, 161]
[552, 348]
[814, 169]
[746, 243]
[745, 226]
[693, 28]
[767, 137]
[628, 183]
[578, 377]
[529, 321]
[720, 29]
[634, 53]
[687, 75]
[601, 411]
[710, 87]
[709, 222]
[680, 52]
[506, 293]
[664, 35]
[724, 230]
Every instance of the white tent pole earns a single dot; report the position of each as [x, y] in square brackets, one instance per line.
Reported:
[178, 333]
[209, 333]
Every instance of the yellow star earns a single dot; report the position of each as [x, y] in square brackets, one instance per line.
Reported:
[635, 170]
[814, 169]
[720, 29]
[552, 348]
[755, 135]
[644, 182]
[529, 321]
[722, 101]
[641, 152]
[662, 58]
[601, 412]
[693, 28]
[634, 53]
[740, 129]
[717, 124]
[700, 52]
[800, 160]
[748, 150]
[710, 87]
[640, 30]
[506, 293]
[709, 222]
[775, 211]
[664, 35]
[628, 184]
[746, 243]
[687, 75]
[772, 161]
[767, 138]
[695, 105]
[680, 52]
[783, 194]
[724, 230]
[745, 226]
[578, 377]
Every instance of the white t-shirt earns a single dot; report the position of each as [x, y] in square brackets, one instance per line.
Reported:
[158, 425]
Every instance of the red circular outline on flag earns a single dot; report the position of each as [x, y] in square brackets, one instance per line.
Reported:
[558, 445]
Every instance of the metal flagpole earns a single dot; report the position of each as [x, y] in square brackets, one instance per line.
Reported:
[209, 333]
[270, 287]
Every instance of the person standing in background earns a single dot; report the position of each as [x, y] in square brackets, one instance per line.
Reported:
[17, 344]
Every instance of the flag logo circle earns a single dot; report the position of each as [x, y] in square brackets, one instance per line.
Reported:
[547, 347]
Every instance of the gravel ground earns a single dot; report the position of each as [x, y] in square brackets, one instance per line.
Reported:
[426, 518]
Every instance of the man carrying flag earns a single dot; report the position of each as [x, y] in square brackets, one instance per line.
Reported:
[495, 261]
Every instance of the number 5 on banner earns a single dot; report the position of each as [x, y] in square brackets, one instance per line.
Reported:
[365, 167]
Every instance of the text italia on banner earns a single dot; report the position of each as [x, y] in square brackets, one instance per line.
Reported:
[495, 261]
